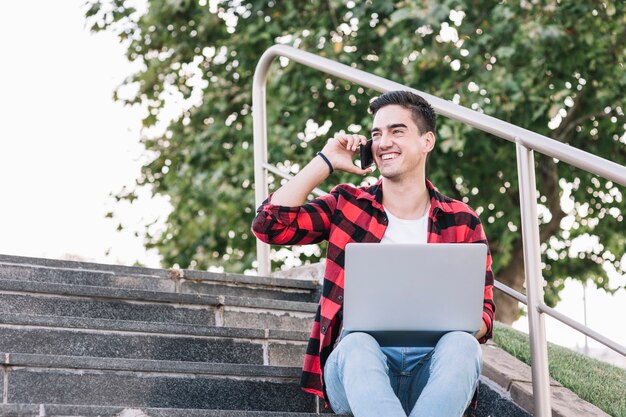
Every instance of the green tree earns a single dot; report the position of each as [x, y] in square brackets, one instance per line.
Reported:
[556, 68]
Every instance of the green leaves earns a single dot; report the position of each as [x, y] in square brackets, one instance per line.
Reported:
[554, 68]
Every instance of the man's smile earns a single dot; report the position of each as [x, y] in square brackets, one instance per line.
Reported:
[389, 156]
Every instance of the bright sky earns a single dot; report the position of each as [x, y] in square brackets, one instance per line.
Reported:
[65, 146]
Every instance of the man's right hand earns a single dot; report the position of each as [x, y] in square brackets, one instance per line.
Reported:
[340, 151]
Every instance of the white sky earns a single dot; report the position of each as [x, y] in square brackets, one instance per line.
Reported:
[65, 146]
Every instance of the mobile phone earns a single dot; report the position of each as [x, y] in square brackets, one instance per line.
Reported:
[367, 159]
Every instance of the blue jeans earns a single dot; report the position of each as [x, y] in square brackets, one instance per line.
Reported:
[364, 379]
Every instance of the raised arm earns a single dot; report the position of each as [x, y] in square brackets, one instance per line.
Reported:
[339, 151]
[285, 219]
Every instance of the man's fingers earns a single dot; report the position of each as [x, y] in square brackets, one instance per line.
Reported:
[339, 139]
[354, 141]
[350, 142]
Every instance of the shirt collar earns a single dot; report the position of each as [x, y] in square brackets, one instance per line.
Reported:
[373, 193]
[438, 202]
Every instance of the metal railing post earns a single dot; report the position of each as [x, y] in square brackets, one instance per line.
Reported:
[534, 279]
[259, 125]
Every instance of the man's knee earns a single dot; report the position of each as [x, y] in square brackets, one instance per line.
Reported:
[460, 342]
[459, 338]
[359, 339]
[357, 346]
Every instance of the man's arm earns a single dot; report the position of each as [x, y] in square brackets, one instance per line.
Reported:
[340, 150]
[285, 219]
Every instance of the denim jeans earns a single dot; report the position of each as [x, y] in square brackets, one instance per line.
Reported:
[364, 379]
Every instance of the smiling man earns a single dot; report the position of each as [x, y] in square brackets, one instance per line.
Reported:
[354, 374]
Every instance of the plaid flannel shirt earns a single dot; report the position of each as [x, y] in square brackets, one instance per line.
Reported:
[348, 214]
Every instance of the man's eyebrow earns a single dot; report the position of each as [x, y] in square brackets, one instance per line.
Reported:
[391, 126]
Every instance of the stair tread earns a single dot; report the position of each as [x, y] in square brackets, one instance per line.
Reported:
[154, 296]
[53, 410]
[215, 346]
[147, 365]
[157, 273]
[261, 316]
[179, 329]
[80, 265]
[48, 379]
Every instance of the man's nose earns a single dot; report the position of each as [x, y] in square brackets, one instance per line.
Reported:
[384, 141]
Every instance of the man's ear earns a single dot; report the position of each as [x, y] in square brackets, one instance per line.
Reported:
[430, 140]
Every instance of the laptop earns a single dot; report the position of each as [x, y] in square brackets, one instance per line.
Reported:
[412, 294]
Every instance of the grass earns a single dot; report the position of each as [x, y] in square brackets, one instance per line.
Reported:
[596, 382]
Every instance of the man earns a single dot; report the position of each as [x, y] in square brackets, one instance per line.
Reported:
[354, 374]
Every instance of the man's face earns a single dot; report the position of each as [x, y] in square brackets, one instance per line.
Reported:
[399, 148]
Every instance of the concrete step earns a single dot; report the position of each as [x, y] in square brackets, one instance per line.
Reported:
[99, 278]
[54, 410]
[196, 282]
[181, 281]
[57, 263]
[27, 320]
[59, 299]
[137, 340]
[492, 403]
[47, 379]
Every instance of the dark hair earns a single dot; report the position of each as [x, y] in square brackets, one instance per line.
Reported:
[422, 112]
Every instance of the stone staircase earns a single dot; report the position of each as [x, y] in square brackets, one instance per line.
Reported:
[84, 339]
[80, 339]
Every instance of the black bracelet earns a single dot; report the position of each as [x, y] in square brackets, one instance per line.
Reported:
[330, 166]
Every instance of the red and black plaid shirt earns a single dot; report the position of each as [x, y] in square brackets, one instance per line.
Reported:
[350, 214]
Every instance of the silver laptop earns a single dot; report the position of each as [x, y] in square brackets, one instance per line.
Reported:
[411, 294]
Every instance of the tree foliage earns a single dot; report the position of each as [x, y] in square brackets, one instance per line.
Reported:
[556, 68]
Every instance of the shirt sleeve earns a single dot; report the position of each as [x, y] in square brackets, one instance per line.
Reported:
[301, 225]
[477, 235]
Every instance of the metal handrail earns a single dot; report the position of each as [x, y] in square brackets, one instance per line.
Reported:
[583, 329]
[526, 143]
[563, 319]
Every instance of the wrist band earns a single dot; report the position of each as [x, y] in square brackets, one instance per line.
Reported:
[330, 166]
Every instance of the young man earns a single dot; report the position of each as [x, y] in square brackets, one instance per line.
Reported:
[354, 374]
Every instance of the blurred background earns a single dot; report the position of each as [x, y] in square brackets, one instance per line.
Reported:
[126, 137]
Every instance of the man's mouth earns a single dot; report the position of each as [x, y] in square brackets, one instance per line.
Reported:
[389, 156]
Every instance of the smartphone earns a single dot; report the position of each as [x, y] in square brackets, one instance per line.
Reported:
[367, 158]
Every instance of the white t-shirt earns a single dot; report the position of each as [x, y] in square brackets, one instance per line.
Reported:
[406, 231]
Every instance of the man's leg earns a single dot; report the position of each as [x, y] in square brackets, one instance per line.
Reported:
[452, 374]
[356, 379]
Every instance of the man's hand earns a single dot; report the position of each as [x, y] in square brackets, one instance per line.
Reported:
[340, 151]
[483, 330]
